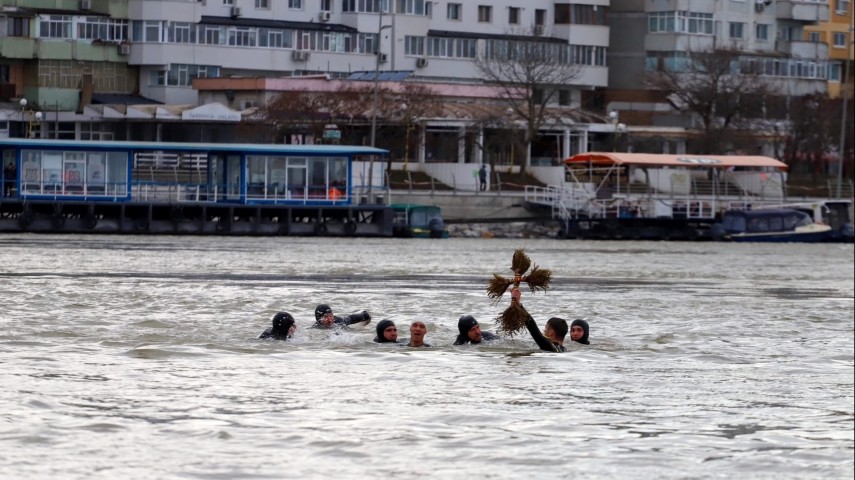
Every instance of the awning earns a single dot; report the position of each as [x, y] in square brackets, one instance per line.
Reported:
[685, 161]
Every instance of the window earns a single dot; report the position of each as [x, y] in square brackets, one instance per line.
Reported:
[485, 14]
[55, 26]
[680, 22]
[834, 72]
[813, 37]
[413, 7]
[295, 4]
[365, 6]
[228, 2]
[182, 75]
[262, 3]
[17, 27]
[414, 45]
[842, 7]
[326, 5]
[839, 40]
[514, 15]
[454, 11]
[762, 32]
[736, 29]
[181, 32]
[580, 14]
[102, 28]
[539, 17]
[564, 97]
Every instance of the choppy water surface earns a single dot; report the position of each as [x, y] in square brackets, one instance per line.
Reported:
[136, 358]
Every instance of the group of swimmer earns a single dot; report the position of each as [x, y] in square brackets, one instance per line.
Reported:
[550, 340]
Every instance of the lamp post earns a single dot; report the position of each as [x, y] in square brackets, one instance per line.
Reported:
[613, 116]
[380, 28]
[841, 151]
[30, 117]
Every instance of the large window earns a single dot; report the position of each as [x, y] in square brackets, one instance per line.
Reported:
[680, 22]
[296, 178]
[365, 6]
[55, 26]
[762, 33]
[73, 173]
[182, 75]
[102, 28]
[413, 7]
[839, 40]
[580, 14]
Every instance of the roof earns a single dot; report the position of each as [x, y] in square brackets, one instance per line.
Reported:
[662, 160]
[250, 148]
[267, 23]
[383, 76]
[120, 99]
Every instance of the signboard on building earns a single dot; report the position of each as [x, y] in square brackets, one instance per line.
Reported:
[212, 112]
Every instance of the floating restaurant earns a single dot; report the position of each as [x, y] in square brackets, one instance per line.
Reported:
[57, 186]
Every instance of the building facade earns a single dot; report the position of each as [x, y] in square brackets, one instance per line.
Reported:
[72, 59]
[836, 34]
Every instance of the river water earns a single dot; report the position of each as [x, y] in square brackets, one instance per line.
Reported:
[137, 358]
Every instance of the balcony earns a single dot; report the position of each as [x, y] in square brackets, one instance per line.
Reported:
[800, 49]
[802, 11]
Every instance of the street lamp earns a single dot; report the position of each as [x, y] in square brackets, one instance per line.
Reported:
[33, 118]
[846, 89]
[613, 116]
[380, 28]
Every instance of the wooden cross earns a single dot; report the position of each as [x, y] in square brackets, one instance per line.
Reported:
[514, 317]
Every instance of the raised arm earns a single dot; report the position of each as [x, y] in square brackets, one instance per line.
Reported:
[539, 338]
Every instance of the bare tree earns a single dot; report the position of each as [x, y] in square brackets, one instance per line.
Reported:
[720, 89]
[298, 113]
[529, 71]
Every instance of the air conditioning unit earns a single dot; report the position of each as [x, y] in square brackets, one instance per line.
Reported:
[382, 57]
[86, 4]
[300, 55]
[759, 6]
[236, 11]
[421, 62]
[324, 16]
[124, 49]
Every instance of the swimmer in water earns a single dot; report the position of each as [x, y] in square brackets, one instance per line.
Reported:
[552, 337]
[324, 318]
[579, 331]
[470, 332]
[387, 332]
[283, 327]
[418, 330]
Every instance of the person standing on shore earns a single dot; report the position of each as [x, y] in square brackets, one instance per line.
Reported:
[482, 176]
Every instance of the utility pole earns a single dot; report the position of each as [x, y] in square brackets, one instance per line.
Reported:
[380, 28]
[842, 148]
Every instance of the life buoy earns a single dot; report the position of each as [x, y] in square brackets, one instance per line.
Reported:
[350, 227]
[57, 221]
[320, 229]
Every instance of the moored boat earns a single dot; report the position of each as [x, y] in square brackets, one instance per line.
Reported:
[418, 221]
[770, 225]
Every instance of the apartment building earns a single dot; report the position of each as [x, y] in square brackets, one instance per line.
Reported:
[73, 59]
[653, 35]
[837, 35]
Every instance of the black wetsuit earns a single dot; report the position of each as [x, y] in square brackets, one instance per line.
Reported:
[345, 320]
[382, 325]
[485, 337]
[584, 340]
[407, 343]
[544, 343]
[464, 324]
[282, 323]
